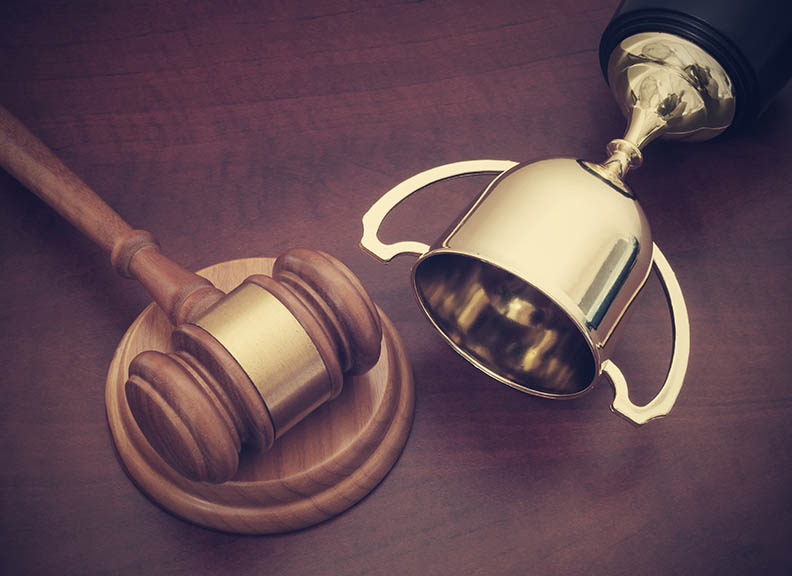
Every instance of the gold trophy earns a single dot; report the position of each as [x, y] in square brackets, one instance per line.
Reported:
[534, 282]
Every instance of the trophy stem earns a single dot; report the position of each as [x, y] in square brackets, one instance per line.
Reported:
[623, 155]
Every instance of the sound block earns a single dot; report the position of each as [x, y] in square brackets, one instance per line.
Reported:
[318, 469]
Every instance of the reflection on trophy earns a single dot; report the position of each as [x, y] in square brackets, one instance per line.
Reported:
[534, 282]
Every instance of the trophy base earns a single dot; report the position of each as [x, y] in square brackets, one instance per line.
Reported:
[321, 467]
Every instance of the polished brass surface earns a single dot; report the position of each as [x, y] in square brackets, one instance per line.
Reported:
[669, 87]
[532, 282]
[503, 325]
[569, 243]
[273, 349]
[622, 156]
[374, 216]
[680, 325]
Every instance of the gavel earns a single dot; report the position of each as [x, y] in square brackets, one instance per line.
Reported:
[246, 366]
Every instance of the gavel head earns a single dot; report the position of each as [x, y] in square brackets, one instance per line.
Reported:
[254, 365]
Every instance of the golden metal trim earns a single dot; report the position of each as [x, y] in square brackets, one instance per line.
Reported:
[664, 401]
[489, 235]
[273, 349]
[669, 87]
[372, 219]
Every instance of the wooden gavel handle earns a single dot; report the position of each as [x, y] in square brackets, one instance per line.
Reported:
[198, 404]
[183, 295]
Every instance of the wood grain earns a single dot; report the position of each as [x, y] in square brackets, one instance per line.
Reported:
[31, 162]
[260, 360]
[197, 404]
[322, 466]
[133, 253]
[241, 129]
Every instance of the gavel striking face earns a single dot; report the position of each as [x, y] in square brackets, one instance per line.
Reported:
[246, 366]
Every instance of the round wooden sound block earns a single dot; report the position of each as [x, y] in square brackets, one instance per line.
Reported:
[321, 467]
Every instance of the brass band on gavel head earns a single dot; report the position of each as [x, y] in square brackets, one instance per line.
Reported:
[274, 349]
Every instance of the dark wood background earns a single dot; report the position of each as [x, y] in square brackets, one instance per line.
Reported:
[234, 129]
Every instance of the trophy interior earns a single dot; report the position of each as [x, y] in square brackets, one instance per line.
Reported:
[504, 325]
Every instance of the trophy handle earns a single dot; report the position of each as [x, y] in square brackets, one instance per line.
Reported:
[680, 325]
[373, 218]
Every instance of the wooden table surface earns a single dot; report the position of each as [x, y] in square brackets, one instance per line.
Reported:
[243, 128]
